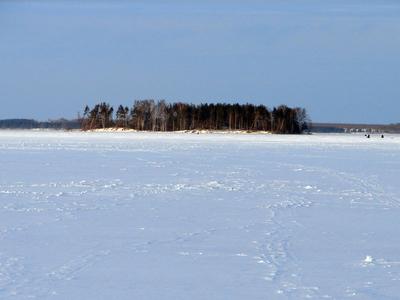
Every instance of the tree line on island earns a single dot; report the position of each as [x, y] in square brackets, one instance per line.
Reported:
[150, 115]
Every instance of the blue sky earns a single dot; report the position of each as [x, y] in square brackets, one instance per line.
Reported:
[340, 60]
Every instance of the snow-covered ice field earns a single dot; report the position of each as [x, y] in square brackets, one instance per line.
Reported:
[209, 216]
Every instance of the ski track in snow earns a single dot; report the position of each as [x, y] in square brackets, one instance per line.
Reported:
[173, 216]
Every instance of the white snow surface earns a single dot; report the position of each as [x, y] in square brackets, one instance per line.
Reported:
[128, 215]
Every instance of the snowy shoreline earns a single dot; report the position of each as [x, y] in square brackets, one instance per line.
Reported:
[203, 131]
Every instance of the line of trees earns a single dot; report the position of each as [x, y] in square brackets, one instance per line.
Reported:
[153, 115]
[31, 124]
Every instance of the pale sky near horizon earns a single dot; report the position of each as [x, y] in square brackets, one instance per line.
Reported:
[340, 60]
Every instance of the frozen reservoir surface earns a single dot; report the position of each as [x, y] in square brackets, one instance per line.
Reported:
[208, 216]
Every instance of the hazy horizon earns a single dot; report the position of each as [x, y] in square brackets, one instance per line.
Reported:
[339, 60]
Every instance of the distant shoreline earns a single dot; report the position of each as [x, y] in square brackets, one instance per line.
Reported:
[74, 125]
[190, 132]
[354, 127]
